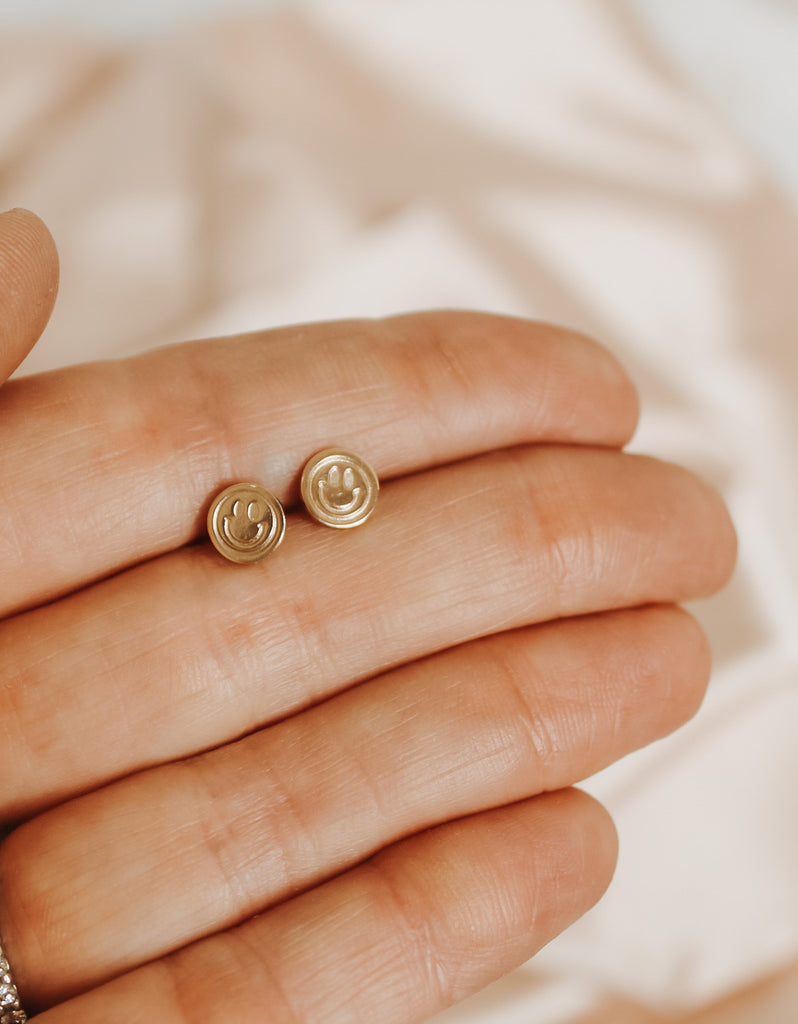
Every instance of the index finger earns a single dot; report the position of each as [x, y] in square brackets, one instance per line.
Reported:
[108, 464]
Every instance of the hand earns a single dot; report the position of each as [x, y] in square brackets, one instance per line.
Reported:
[332, 786]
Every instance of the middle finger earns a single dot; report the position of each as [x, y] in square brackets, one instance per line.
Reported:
[188, 651]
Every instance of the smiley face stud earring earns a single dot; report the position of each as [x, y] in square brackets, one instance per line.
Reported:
[339, 488]
[246, 523]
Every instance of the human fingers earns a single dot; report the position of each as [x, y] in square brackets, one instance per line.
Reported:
[134, 871]
[28, 285]
[189, 651]
[417, 928]
[134, 450]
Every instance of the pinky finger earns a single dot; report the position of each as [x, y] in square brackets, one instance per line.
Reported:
[417, 928]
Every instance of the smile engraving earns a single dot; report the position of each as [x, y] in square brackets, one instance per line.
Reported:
[339, 492]
[248, 525]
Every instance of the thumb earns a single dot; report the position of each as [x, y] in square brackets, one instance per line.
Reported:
[28, 285]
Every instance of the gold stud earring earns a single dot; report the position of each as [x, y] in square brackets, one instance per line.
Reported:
[245, 523]
[339, 488]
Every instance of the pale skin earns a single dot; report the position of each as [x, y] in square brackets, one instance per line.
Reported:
[334, 786]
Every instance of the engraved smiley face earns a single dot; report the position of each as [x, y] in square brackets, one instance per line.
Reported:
[245, 523]
[339, 492]
[339, 488]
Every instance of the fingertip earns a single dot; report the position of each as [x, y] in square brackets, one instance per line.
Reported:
[24, 235]
[607, 370]
[28, 284]
[568, 386]
[718, 559]
[685, 666]
[688, 531]
[727, 541]
[594, 846]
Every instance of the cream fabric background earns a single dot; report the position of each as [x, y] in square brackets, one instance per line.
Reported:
[742, 52]
[357, 157]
